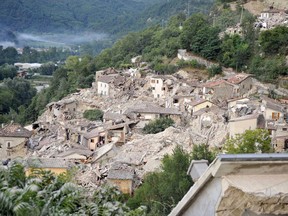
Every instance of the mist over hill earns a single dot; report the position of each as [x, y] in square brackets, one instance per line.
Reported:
[113, 18]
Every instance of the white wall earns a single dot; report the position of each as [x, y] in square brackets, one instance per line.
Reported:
[102, 88]
[157, 84]
[206, 202]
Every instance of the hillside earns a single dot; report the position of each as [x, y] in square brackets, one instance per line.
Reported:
[111, 16]
[71, 15]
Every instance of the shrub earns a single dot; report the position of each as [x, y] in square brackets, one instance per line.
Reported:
[93, 115]
[214, 69]
[158, 125]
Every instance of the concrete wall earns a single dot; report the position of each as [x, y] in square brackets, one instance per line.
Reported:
[102, 88]
[124, 185]
[269, 112]
[205, 203]
[16, 146]
[239, 127]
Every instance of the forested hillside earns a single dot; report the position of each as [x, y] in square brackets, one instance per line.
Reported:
[73, 15]
[111, 16]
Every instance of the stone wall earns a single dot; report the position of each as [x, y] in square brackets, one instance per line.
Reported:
[184, 55]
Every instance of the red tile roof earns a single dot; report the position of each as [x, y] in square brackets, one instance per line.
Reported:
[238, 78]
[214, 83]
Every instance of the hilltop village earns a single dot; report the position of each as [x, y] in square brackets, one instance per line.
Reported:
[204, 111]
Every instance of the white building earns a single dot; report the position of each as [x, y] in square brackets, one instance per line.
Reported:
[161, 86]
[238, 185]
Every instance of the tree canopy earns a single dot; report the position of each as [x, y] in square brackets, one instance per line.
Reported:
[161, 191]
[43, 193]
[251, 141]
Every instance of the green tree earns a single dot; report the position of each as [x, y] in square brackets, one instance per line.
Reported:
[251, 141]
[7, 71]
[43, 193]
[93, 115]
[202, 151]
[214, 70]
[161, 191]
[274, 41]
[268, 69]
[235, 52]
[158, 125]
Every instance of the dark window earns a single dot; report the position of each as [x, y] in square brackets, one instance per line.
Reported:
[286, 144]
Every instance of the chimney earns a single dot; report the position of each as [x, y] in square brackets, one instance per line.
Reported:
[197, 168]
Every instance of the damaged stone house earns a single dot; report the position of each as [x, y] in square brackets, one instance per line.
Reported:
[242, 82]
[227, 88]
[216, 90]
[148, 112]
[197, 105]
[13, 141]
[61, 110]
[272, 17]
[109, 85]
[238, 185]
[161, 86]
[279, 135]
[107, 133]
[75, 133]
[180, 102]
[54, 165]
[273, 110]
[81, 154]
[121, 176]
[94, 138]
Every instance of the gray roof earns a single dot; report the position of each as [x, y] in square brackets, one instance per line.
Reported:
[214, 109]
[107, 78]
[197, 102]
[121, 171]
[84, 152]
[93, 133]
[113, 116]
[273, 104]
[112, 78]
[46, 163]
[151, 108]
[15, 130]
[246, 117]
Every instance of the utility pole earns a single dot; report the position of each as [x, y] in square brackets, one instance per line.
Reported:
[241, 17]
[188, 9]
